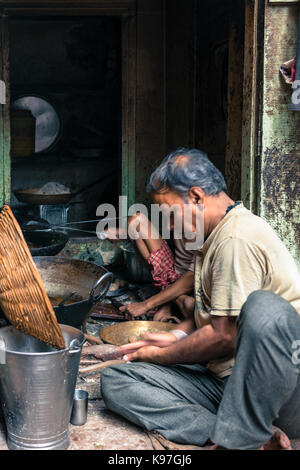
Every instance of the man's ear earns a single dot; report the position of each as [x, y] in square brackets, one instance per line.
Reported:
[196, 195]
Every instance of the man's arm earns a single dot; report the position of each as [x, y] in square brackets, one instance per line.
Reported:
[205, 344]
[183, 285]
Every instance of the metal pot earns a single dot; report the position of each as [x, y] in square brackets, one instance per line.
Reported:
[37, 388]
[47, 243]
[135, 266]
[64, 276]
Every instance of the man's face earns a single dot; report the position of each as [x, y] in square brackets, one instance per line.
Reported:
[187, 216]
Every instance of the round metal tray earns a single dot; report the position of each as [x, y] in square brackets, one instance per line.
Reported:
[127, 332]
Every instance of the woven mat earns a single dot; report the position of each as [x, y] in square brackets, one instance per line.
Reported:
[23, 297]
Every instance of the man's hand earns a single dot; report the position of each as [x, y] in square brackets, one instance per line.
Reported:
[163, 314]
[160, 340]
[145, 354]
[135, 309]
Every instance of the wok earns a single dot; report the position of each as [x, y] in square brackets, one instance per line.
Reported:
[63, 277]
[30, 196]
[45, 243]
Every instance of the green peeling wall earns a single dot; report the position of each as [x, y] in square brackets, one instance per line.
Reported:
[280, 155]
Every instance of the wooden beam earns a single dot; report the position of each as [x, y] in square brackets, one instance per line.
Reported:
[252, 103]
[4, 116]
[48, 6]
[129, 108]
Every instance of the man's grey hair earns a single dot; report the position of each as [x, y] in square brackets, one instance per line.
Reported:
[185, 168]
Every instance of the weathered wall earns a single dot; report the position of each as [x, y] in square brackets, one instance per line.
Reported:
[280, 177]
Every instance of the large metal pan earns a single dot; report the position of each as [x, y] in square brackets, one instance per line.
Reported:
[63, 276]
[127, 332]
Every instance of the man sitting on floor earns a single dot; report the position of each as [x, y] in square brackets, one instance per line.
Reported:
[234, 369]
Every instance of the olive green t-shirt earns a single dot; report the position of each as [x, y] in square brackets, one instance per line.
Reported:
[241, 255]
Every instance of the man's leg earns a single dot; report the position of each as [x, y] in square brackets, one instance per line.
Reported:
[264, 388]
[179, 402]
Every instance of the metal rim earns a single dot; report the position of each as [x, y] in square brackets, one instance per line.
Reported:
[49, 353]
[44, 98]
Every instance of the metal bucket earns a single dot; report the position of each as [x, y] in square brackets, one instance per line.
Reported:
[37, 385]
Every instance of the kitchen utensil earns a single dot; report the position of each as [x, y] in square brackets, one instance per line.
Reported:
[100, 366]
[30, 196]
[79, 408]
[92, 339]
[62, 276]
[45, 243]
[47, 121]
[37, 388]
[104, 311]
[23, 297]
[122, 333]
[135, 267]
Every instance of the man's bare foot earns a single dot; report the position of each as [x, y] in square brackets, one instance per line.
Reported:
[164, 313]
[186, 303]
[279, 441]
[216, 447]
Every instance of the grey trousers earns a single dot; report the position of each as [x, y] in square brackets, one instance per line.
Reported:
[190, 405]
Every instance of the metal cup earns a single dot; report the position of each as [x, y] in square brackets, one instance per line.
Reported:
[80, 408]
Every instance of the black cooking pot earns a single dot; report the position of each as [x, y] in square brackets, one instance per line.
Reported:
[62, 277]
[46, 243]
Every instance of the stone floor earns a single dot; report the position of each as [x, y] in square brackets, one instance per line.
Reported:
[106, 431]
[102, 431]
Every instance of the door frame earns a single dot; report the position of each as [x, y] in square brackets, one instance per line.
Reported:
[252, 104]
[126, 10]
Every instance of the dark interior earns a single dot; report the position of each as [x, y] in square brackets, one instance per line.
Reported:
[74, 64]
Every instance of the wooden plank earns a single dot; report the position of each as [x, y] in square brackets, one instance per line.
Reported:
[284, 2]
[181, 73]
[235, 109]
[150, 93]
[120, 4]
[33, 8]
[252, 104]
[4, 116]
[129, 108]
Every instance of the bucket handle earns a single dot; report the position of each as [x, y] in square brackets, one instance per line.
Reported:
[74, 346]
[107, 277]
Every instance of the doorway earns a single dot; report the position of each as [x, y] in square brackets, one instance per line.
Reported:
[74, 66]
